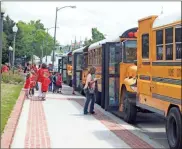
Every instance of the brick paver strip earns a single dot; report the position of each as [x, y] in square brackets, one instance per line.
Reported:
[10, 128]
[128, 137]
[37, 135]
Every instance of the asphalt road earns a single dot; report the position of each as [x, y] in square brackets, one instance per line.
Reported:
[152, 125]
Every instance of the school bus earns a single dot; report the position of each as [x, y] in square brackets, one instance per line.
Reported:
[95, 59]
[113, 59]
[158, 81]
[69, 69]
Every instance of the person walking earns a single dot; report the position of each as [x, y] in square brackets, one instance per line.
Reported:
[27, 85]
[45, 85]
[42, 73]
[89, 89]
[32, 83]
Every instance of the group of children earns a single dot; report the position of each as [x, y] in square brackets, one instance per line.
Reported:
[56, 82]
[49, 82]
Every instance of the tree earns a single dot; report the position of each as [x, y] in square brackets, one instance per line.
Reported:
[29, 39]
[96, 36]
[4, 49]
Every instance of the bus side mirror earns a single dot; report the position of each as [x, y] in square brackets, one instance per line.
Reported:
[135, 62]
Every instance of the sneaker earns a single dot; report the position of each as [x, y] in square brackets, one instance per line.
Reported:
[85, 113]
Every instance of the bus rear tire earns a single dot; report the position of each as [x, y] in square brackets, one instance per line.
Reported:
[129, 110]
[174, 128]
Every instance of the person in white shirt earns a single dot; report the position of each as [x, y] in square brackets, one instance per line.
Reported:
[90, 90]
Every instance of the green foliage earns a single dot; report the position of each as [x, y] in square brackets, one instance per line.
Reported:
[31, 39]
[10, 93]
[96, 36]
[12, 78]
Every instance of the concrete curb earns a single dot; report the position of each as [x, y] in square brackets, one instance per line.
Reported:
[10, 128]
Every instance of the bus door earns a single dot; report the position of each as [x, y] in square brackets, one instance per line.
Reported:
[64, 75]
[77, 70]
[103, 77]
[112, 55]
[60, 65]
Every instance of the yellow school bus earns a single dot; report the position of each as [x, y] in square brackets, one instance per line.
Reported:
[158, 81]
[69, 69]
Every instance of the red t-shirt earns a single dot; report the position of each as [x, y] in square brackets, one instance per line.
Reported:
[59, 80]
[27, 83]
[42, 73]
[5, 69]
[45, 84]
[33, 81]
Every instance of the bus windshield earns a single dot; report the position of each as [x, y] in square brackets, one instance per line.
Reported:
[130, 51]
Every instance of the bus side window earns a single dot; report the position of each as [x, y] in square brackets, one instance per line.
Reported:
[159, 44]
[178, 40]
[145, 46]
[169, 43]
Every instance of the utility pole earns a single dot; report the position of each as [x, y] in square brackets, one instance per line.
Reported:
[46, 45]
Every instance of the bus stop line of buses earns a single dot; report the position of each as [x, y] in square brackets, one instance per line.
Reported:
[140, 71]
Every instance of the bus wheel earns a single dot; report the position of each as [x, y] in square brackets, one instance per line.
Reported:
[174, 128]
[129, 110]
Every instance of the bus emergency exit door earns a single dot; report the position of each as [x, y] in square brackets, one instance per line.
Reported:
[110, 71]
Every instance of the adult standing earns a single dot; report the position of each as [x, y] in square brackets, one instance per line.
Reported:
[90, 90]
[43, 73]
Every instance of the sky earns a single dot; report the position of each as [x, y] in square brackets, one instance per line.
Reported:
[110, 18]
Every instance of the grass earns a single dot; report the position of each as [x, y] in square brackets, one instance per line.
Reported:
[10, 93]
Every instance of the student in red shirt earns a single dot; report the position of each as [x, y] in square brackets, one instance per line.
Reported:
[32, 83]
[45, 85]
[27, 85]
[4, 69]
[43, 73]
[59, 82]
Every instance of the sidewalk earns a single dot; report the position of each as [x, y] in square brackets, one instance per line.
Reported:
[59, 122]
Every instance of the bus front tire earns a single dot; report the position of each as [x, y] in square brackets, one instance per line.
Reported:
[174, 128]
[129, 110]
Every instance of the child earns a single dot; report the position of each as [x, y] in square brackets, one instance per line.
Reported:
[45, 85]
[32, 83]
[59, 82]
[50, 85]
[27, 85]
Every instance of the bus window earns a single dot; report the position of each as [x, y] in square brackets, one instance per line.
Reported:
[64, 63]
[145, 46]
[159, 44]
[130, 51]
[169, 43]
[69, 59]
[178, 39]
[78, 62]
